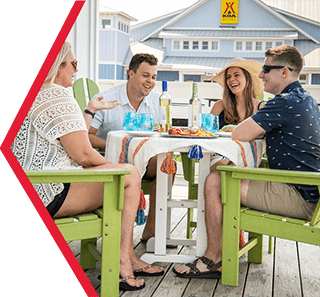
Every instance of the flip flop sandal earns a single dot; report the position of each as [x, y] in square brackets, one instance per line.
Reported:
[194, 272]
[142, 272]
[169, 246]
[126, 287]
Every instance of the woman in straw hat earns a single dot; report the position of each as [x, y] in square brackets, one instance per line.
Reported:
[241, 85]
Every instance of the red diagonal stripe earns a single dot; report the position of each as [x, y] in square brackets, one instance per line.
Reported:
[5, 148]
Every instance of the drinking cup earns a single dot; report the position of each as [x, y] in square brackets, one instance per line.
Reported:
[209, 122]
[130, 122]
[146, 122]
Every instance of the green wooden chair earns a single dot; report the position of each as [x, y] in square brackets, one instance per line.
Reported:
[93, 89]
[104, 222]
[79, 91]
[258, 223]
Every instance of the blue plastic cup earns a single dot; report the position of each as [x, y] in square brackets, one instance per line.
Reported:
[130, 122]
[209, 122]
[146, 122]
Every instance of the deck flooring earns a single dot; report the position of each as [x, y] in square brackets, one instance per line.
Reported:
[292, 270]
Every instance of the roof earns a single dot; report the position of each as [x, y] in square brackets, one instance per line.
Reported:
[199, 63]
[271, 10]
[224, 34]
[104, 10]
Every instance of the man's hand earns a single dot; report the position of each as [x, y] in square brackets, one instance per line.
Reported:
[97, 104]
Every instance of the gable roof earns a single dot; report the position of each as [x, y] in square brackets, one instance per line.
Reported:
[175, 19]
[276, 12]
[104, 10]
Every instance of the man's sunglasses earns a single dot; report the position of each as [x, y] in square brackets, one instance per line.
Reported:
[267, 68]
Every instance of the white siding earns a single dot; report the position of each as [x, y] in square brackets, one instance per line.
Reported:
[84, 40]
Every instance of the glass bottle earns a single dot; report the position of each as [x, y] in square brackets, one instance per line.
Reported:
[194, 108]
[165, 108]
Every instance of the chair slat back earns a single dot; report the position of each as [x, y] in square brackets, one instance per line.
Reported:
[93, 88]
[79, 93]
[316, 215]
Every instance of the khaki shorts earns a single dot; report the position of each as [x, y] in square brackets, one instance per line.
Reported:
[278, 198]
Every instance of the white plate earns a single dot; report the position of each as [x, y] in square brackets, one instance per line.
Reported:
[188, 136]
[224, 134]
[141, 133]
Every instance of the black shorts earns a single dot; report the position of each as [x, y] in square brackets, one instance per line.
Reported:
[147, 177]
[58, 200]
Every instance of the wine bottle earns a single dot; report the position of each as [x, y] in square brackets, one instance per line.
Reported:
[194, 107]
[165, 108]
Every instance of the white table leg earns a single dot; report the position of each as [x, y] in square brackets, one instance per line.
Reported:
[161, 209]
[204, 170]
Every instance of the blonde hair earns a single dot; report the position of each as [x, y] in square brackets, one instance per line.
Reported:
[60, 59]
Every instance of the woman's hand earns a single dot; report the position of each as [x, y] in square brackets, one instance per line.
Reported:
[97, 104]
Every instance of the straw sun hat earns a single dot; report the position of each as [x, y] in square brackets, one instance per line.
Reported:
[253, 67]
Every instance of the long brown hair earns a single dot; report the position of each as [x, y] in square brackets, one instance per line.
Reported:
[230, 103]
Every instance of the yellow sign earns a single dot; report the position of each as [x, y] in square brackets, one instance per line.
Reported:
[229, 11]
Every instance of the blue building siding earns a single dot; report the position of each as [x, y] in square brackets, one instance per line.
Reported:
[168, 75]
[251, 15]
[120, 72]
[315, 79]
[190, 77]
[311, 29]
[106, 71]
[106, 45]
[139, 33]
[123, 45]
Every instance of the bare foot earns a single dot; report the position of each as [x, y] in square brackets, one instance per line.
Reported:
[139, 264]
[126, 270]
[147, 233]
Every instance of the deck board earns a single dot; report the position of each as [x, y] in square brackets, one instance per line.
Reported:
[292, 270]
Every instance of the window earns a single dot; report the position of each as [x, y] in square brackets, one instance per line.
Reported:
[303, 79]
[195, 45]
[248, 46]
[258, 46]
[268, 45]
[238, 46]
[214, 45]
[106, 24]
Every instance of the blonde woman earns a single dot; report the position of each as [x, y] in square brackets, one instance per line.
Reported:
[54, 136]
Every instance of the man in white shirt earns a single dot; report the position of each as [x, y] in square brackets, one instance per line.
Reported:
[137, 95]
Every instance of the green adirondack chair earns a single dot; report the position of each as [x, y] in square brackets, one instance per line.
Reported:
[258, 223]
[93, 89]
[105, 222]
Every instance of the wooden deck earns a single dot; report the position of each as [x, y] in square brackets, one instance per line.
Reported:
[292, 270]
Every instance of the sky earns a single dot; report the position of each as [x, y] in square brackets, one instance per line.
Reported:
[144, 10]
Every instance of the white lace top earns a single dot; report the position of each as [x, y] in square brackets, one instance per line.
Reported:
[53, 114]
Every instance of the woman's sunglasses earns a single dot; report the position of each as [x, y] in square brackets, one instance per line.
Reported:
[267, 68]
[74, 63]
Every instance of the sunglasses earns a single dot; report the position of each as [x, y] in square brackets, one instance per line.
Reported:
[74, 63]
[267, 68]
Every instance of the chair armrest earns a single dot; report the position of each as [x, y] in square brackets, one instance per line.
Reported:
[263, 174]
[81, 176]
[74, 176]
